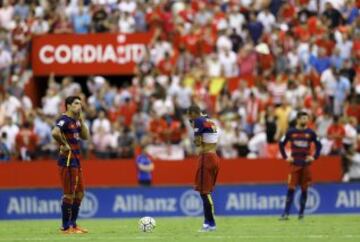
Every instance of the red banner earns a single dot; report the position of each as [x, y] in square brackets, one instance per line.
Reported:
[112, 173]
[90, 54]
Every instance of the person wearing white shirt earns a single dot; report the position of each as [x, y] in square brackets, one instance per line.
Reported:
[228, 61]
[6, 15]
[267, 19]
[11, 130]
[350, 138]
[51, 103]
[101, 124]
[236, 19]
[213, 66]
[127, 6]
[126, 23]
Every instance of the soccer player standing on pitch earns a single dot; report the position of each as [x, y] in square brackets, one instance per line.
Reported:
[69, 129]
[206, 137]
[300, 160]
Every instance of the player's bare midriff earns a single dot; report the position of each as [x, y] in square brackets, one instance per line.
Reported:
[208, 148]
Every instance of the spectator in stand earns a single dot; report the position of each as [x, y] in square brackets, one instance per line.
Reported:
[81, 21]
[42, 128]
[282, 114]
[6, 15]
[51, 102]
[26, 143]
[227, 142]
[62, 25]
[5, 64]
[336, 133]
[126, 23]
[342, 90]
[10, 129]
[352, 173]
[22, 9]
[255, 28]
[351, 135]
[126, 143]
[4, 151]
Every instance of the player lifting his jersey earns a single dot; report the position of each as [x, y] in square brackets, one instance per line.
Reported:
[206, 137]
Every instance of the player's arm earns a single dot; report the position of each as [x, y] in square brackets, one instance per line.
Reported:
[318, 147]
[60, 139]
[282, 144]
[198, 130]
[84, 132]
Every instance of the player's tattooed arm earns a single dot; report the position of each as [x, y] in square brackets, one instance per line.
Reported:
[60, 139]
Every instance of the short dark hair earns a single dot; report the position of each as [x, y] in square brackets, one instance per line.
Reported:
[194, 109]
[70, 99]
[301, 114]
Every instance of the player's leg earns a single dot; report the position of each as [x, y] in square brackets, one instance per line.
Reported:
[208, 204]
[209, 174]
[79, 195]
[305, 183]
[67, 199]
[293, 180]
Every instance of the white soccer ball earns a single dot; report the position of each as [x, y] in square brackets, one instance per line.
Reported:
[147, 224]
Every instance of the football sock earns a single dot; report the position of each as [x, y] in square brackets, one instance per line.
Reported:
[208, 209]
[66, 214]
[303, 199]
[289, 200]
[74, 212]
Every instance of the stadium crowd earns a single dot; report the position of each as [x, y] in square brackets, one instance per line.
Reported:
[251, 64]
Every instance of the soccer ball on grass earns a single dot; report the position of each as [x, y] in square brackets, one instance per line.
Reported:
[147, 224]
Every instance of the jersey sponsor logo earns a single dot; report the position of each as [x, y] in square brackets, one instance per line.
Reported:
[61, 123]
[191, 203]
[89, 205]
[210, 125]
[312, 203]
[301, 143]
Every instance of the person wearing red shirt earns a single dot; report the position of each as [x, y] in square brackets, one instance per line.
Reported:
[157, 128]
[26, 143]
[336, 133]
[166, 65]
[127, 111]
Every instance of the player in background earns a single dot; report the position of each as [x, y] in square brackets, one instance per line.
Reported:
[300, 160]
[206, 137]
[69, 129]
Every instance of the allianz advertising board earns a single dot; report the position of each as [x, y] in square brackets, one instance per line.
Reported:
[179, 201]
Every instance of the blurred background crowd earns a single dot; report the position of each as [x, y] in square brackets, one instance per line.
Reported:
[250, 64]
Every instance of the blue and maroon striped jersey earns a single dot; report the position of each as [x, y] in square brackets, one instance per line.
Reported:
[300, 140]
[70, 128]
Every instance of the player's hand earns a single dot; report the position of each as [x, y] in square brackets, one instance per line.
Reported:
[309, 158]
[81, 116]
[290, 159]
[64, 149]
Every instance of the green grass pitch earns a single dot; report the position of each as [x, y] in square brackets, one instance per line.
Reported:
[314, 228]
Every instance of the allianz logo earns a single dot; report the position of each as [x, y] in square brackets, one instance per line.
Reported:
[250, 201]
[31, 205]
[189, 203]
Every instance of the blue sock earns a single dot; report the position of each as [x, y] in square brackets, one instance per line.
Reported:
[303, 199]
[289, 200]
[66, 214]
[208, 209]
[74, 213]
